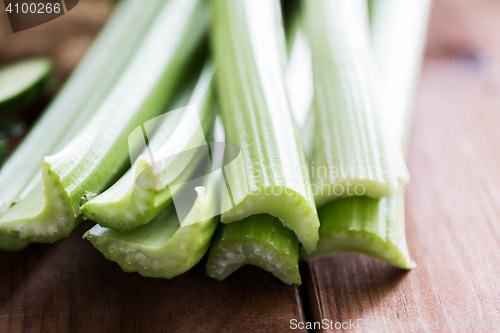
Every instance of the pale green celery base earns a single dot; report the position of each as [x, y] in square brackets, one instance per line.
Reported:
[259, 241]
[12, 244]
[351, 188]
[44, 216]
[291, 208]
[362, 225]
[160, 249]
[126, 206]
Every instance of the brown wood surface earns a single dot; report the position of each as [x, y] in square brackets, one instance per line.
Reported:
[453, 205]
[453, 217]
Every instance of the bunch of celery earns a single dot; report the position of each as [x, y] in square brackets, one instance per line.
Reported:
[344, 101]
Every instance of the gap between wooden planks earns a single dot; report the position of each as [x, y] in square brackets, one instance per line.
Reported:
[453, 200]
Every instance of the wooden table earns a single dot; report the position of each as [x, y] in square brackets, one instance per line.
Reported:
[453, 221]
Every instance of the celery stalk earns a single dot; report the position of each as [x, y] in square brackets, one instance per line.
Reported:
[167, 247]
[350, 155]
[24, 81]
[127, 205]
[98, 154]
[259, 240]
[77, 100]
[3, 149]
[249, 47]
[300, 83]
[377, 227]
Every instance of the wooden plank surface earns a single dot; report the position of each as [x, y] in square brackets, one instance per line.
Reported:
[453, 205]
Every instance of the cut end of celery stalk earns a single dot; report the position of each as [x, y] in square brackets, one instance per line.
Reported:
[143, 192]
[126, 206]
[367, 226]
[45, 215]
[22, 82]
[12, 244]
[293, 210]
[84, 91]
[259, 240]
[162, 248]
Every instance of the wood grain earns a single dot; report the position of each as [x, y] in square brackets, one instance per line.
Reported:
[453, 206]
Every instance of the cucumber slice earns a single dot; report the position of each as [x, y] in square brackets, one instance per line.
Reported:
[259, 240]
[24, 81]
[99, 154]
[126, 205]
